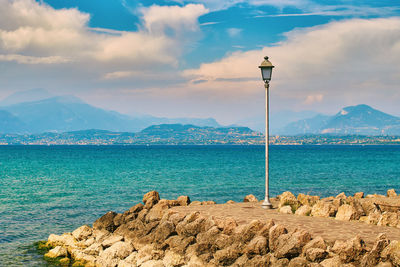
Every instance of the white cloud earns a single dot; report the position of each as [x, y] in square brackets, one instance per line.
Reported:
[345, 62]
[35, 33]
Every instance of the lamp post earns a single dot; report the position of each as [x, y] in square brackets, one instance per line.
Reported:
[266, 72]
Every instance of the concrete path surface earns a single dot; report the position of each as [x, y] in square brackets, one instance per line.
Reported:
[329, 228]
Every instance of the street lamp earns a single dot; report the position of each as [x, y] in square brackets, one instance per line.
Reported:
[266, 72]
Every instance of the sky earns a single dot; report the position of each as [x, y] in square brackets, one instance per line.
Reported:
[199, 58]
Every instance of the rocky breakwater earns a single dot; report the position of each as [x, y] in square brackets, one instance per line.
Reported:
[152, 234]
[374, 209]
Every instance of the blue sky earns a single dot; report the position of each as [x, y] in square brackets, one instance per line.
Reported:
[199, 58]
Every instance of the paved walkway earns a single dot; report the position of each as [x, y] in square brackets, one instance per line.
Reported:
[329, 228]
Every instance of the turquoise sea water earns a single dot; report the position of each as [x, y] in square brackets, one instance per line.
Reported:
[55, 189]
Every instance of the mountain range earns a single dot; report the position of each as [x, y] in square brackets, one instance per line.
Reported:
[38, 111]
[352, 120]
[42, 112]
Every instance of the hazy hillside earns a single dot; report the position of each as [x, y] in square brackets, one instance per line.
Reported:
[69, 113]
[360, 119]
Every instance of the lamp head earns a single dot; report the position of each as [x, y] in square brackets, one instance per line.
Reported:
[266, 69]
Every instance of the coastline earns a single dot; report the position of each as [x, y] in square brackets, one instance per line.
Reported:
[334, 231]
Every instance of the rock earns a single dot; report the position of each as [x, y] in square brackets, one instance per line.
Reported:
[129, 261]
[337, 202]
[195, 203]
[56, 252]
[285, 210]
[250, 198]
[172, 259]
[341, 196]
[307, 199]
[65, 261]
[191, 225]
[111, 240]
[288, 199]
[250, 230]
[163, 231]
[298, 262]
[179, 244]
[265, 229]
[388, 219]
[257, 246]
[347, 213]
[274, 233]
[226, 256]
[82, 232]
[316, 254]
[391, 193]
[137, 208]
[392, 252]
[152, 263]
[95, 249]
[113, 254]
[150, 199]
[384, 264]
[317, 242]
[209, 202]
[290, 245]
[332, 262]
[373, 256]
[323, 209]
[351, 250]
[373, 217]
[183, 200]
[359, 195]
[304, 210]
[106, 222]
[256, 261]
[227, 225]
[279, 262]
[230, 202]
[63, 240]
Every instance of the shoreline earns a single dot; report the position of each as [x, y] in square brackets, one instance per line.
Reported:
[333, 231]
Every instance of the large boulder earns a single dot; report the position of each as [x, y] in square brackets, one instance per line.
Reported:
[351, 250]
[285, 210]
[316, 254]
[82, 232]
[172, 259]
[388, 219]
[307, 199]
[290, 245]
[183, 200]
[250, 198]
[323, 209]
[359, 195]
[317, 242]
[392, 253]
[347, 213]
[106, 222]
[372, 258]
[304, 210]
[274, 233]
[56, 252]
[226, 256]
[112, 255]
[391, 193]
[288, 199]
[257, 246]
[150, 199]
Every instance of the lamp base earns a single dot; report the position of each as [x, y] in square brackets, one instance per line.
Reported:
[266, 204]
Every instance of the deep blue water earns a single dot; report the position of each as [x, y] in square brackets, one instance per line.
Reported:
[55, 189]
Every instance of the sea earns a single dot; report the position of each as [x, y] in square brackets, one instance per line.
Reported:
[55, 189]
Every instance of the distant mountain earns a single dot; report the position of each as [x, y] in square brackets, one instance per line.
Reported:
[10, 124]
[277, 120]
[26, 96]
[69, 113]
[360, 119]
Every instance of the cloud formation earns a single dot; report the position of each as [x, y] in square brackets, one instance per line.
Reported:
[35, 33]
[343, 62]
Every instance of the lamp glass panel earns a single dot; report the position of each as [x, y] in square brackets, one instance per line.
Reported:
[266, 73]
